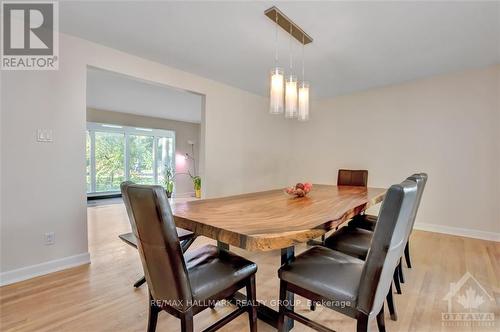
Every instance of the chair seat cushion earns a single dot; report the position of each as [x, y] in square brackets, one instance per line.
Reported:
[325, 272]
[365, 221]
[350, 240]
[212, 271]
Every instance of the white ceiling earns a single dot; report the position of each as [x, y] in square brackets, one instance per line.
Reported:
[115, 92]
[357, 45]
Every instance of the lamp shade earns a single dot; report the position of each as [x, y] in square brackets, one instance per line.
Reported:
[303, 114]
[276, 91]
[291, 97]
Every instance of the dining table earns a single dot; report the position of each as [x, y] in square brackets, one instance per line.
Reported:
[273, 220]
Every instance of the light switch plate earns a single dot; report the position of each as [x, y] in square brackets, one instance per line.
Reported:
[50, 238]
[44, 135]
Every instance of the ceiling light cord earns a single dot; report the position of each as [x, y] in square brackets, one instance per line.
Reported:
[276, 42]
[291, 55]
[303, 62]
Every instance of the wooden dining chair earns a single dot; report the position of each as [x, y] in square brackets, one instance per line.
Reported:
[183, 284]
[366, 221]
[348, 284]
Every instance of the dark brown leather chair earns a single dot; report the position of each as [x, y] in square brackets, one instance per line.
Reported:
[368, 222]
[183, 285]
[348, 284]
[357, 241]
[349, 177]
[186, 239]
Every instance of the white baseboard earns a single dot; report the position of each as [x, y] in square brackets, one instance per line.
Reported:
[184, 195]
[28, 272]
[476, 234]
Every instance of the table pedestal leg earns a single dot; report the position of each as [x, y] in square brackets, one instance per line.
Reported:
[265, 313]
[222, 245]
[287, 255]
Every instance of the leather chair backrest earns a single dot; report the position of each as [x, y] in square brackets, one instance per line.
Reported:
[387, 246]
[158, 244]
[421, 179]
[349, 177]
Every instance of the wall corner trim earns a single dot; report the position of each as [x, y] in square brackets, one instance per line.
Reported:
[466, 232]
[28, 272]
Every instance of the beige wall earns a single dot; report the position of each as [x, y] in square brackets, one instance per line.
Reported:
[447, 126]
[184, 131]
[43, 189]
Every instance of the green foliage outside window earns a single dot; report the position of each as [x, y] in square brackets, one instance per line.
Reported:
[109, 159]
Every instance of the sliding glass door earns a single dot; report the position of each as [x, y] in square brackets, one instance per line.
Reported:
[109, 161]
[118, 153]
[164, 156]
[141, 159]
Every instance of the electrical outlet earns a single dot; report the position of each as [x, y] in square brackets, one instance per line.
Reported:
[50, 238]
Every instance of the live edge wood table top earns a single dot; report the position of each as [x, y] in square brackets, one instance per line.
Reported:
[271, 220]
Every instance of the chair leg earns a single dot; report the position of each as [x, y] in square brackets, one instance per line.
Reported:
[313, 306]
[281, 319]
[396, 281]
[187, 322]
[380, 320]
[153, 315]
[252, 306]
[139, 282]
[407, 254]
[400, 272]
[362, 323]
[390, 305]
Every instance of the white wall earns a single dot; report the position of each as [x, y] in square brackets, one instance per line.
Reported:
[447, 126]
[43, 184]
[450, 124]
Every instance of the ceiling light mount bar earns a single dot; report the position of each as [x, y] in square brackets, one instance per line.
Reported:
[288, 25]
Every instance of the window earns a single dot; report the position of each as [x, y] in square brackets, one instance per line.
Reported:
[118, 153]
[141, 159]
[164, 153]
[109, 161]
[87, 153]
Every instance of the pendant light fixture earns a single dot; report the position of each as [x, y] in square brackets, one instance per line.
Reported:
[291, 87]
[303, 114]
[277, 76]
[285, 89]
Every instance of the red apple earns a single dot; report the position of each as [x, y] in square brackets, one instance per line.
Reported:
[300, 192]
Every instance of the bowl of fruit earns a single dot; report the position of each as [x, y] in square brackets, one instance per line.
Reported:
[299, 190]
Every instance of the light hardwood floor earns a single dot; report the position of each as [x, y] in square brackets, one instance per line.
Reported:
[100, 296]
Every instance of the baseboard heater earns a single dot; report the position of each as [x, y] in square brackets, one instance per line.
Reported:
[103, 196]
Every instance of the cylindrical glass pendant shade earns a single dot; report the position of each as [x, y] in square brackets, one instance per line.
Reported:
[303, 101]
[291, 97]
[277, 91]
